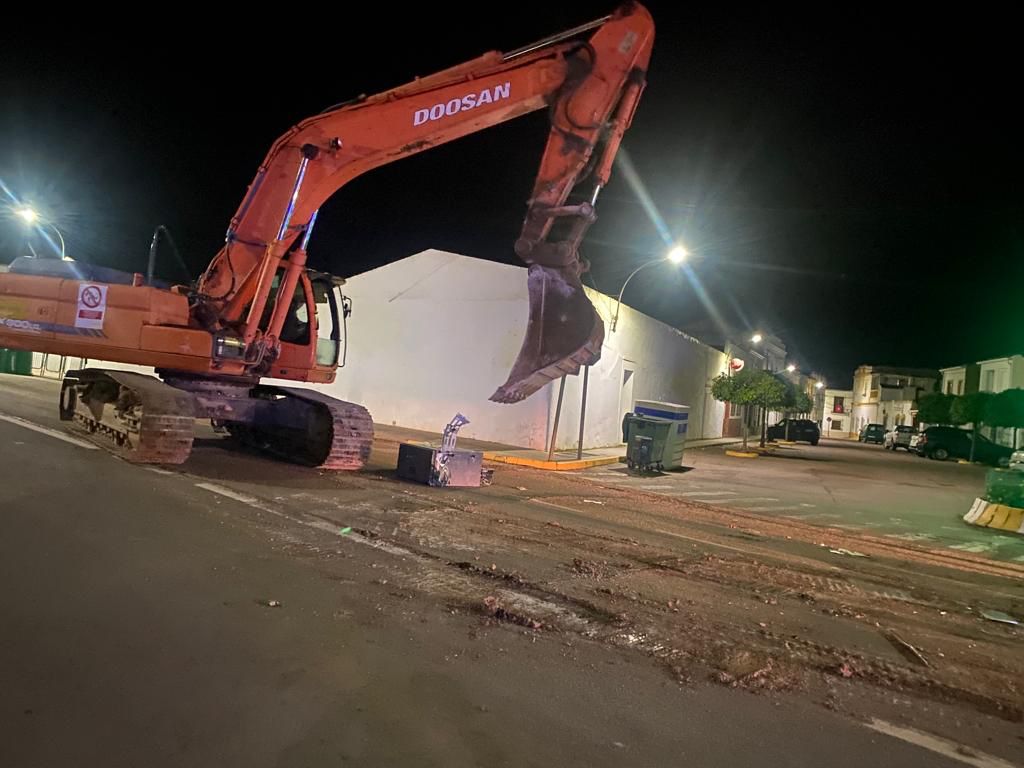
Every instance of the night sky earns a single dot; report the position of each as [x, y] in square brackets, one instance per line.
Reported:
[851, 182]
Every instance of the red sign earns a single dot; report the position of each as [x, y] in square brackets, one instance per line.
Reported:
[736, 364]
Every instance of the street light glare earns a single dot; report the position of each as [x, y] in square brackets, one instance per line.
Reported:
[819, 385]
[791, 368]
[677, 255]
[756, 338]
[27, 214]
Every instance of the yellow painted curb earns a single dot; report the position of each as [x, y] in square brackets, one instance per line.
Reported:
[555, 466]
[742, 454]
[999, 516]
[786, 442]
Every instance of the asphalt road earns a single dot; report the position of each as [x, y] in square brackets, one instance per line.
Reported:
[839, 483]
[139, 630]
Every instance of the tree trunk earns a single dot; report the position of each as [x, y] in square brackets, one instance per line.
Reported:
[764, 423]
[974, 439]
[746, 425]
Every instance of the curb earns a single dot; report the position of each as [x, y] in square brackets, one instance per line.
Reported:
[742, 454]
[999, 516]
[554, 466]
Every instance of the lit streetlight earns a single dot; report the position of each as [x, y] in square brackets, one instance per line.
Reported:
[31, 217]
[819, 384]
[791, 368]
[676, 255]
[756, 338]
[28, 215]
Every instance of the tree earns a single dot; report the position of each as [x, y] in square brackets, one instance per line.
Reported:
[727, 388]
[1006, 409]
[749, 387]
[933, 408]
[796, 401]
[771, 393]
[970, 409]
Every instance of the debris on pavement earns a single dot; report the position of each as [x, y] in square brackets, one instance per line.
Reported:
[493, 607]
[520, 488]
[909, 652]
[592, 501]
[270, 603]
[846, 670]
[346, 530]
[1002, 618]
[847, 552]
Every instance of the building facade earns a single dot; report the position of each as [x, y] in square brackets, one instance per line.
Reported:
[888, 395]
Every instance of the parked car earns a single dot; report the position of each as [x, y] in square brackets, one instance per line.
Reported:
[803, 430]
[900, 436]
[954, 443]
[1017, 461]
[872, 433]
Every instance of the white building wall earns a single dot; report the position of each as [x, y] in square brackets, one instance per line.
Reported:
[954, 380]
[666, 364]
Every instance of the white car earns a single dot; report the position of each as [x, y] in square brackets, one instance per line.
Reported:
[1017, 461]
[900, 436]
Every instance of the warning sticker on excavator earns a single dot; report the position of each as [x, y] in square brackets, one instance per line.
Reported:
[92, 305]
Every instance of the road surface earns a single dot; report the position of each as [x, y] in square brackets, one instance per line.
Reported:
[221, 614]
[841, 484]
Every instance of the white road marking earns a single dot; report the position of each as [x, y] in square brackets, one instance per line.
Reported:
[749, 499]
[771, 508]
[50, 432]
[708, 493]
[160, 471]
[310, 522]
[973, 547]
[252, 501]
[940, 746]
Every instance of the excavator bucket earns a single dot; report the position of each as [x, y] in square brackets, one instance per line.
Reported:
[563, 332]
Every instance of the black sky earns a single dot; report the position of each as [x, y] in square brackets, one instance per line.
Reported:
[850, 180]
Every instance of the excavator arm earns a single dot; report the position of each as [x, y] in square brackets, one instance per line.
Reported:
[590, 87]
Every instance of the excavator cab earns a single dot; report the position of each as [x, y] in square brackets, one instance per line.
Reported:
[313, 338]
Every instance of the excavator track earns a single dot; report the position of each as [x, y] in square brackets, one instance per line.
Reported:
[134, 416]
[321, 431]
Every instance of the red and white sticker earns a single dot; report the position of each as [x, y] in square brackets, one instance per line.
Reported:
[92, 305]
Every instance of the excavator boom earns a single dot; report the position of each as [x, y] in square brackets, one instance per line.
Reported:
[591, 88]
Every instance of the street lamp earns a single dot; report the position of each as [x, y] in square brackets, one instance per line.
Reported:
[819, 384]
[676, 255]
[791, 368]
[756, 338]
[31, 217]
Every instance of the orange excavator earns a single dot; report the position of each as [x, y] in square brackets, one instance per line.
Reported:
[258, 312]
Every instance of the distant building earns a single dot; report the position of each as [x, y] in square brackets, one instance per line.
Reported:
[838, 413]
[888, 395]
[960, 379]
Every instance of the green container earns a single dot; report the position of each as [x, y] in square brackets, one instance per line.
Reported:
[1005, 486]
[659, 430]
[17, 361]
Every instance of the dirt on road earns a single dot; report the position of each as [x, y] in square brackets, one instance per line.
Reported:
[865, 625]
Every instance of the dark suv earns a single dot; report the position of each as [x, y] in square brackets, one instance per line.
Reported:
[872, 433]
[953, 443]
[799, 429]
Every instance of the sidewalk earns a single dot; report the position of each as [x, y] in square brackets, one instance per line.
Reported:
[562, 461]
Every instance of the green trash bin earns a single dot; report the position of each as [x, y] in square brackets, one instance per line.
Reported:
[17, 361]
[1005, 486]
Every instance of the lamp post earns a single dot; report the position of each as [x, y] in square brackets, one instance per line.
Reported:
[677, 255]
[31, 217]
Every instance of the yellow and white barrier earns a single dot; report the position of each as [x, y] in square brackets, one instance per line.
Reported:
[991, 515]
